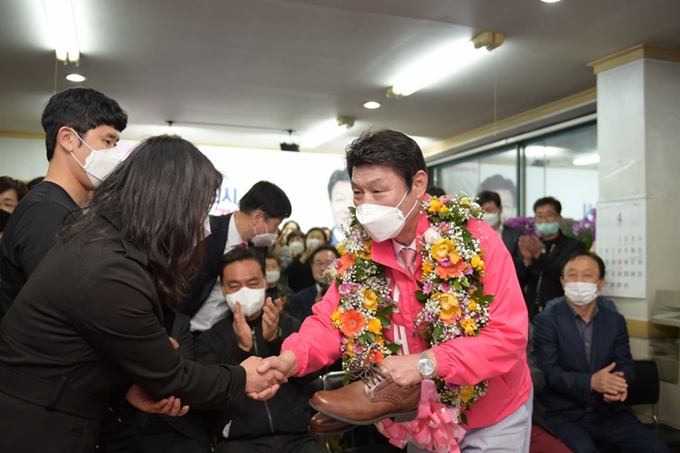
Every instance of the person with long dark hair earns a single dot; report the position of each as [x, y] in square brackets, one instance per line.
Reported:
[90, 318]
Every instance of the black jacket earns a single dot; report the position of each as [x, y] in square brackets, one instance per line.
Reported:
[89, 319]
[214, 250]
[541, 280]
[301, 302]
[288, 411]
[510, 236]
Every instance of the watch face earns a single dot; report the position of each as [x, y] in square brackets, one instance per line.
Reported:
[426, 367]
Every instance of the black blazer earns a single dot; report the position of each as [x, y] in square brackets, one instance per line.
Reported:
[200, 288]
[562, 359]
[546, 269]
[192, 425]
[89, 319]
[510, 236]
[302, 301]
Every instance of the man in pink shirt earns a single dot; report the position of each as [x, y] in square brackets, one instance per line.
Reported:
[387, 170]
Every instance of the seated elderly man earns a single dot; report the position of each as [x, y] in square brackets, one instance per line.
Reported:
[256, 326]
[582, 349]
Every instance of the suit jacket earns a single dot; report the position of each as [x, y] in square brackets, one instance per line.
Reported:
[545, 271]
[302, 301]
[200, 288]
[89, 319]
[191, 425]
[510, 236]
[561, 356]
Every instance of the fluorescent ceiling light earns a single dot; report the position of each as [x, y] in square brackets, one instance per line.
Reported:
[550, 1]
[75, 78]
[62, 25]
[327, 131]
[443, 63]
[587, 160]
[371, 105]
[542, 151]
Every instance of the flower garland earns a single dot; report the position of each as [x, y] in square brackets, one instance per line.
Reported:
[451, 290]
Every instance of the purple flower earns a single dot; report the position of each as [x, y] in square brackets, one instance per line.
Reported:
[526, 224]
[427, 287]
[347, 289]
[444, 287]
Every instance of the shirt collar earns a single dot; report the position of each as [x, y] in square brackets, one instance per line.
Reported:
[577, 316]
[233, 236]
[399, 247]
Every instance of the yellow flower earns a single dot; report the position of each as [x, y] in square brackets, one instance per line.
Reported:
[380, 340]
[335, 317]
[374, 326]
[443, 248]
[350, 348]
[449, 304]
[435, 205]
[341, 249]
[370, 300]
[426, 266]
[472, 306]
[477, 262]
[444, 209]
[365, 254]
[469, 325]
[466, 392]
[464, 201]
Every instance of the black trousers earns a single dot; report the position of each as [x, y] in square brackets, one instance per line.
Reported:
[286, 443]
[622, 429]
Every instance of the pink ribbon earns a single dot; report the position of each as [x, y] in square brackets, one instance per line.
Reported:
[435, 428]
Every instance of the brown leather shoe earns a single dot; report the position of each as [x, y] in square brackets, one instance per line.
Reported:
[323, 425]
[373, 398]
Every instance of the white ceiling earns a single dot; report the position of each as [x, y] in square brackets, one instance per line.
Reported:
[291, 64]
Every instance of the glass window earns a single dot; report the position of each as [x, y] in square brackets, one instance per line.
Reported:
[496, 172]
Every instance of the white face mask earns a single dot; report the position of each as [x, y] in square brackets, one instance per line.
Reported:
[492, 218]
[273, 276]
[297, 247]
[251, 300]
[313, 243]
[383, 222]
[264, 240]
[100, 163]
[580, 293]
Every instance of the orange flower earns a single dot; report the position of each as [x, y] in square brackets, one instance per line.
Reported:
[352, 323]
[454, 271]
[375, 356]
[346, 261]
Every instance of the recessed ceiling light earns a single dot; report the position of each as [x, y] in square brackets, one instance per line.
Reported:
[550, 1]
[75, 78]
[371, 105]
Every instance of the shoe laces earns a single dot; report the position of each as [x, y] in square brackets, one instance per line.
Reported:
[372, 375]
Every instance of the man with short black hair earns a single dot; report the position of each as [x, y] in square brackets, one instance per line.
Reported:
[82, 127]
[493, 212]
[583, 351]
[255, 326]
[255, 224]
[539, 272]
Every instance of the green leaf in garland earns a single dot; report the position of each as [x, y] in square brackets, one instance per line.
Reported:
[384, 321]
[437, 332]
[347, 378]
[370, 336]
[421, 296]
[465, 282]
[386, 311]
[456, 285]
[463, 418]
[393, 347]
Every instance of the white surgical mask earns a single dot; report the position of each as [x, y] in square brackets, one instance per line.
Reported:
[297, 247]
[100, 163]
[251, 300]
[313, 242]
[580, 293]
[273, 276]
[383, 222]
[492, 218]
[264, 240]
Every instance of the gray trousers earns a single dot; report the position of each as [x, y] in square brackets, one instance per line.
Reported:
[510, 435]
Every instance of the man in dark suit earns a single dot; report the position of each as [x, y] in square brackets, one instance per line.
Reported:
[255, 224]
[582, 349]
[493, 210]
[539, 272]
[302, 301]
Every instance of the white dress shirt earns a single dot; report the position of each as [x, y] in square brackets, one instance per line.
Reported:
[215, 307]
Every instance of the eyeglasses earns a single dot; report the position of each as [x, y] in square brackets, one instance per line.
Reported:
[546, 217]
[324, 264]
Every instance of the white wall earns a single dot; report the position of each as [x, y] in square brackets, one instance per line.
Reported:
[303, 176]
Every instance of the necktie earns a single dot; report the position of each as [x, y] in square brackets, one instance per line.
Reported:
[409, 257]
[242, 245]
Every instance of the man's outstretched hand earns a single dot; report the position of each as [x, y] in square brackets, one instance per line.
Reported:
[144, 402]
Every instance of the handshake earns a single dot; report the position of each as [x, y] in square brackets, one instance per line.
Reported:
[265, 376]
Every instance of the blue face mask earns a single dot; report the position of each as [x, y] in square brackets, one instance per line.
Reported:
[547, 228]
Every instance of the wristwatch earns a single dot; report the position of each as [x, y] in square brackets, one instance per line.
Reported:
[425, 365]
